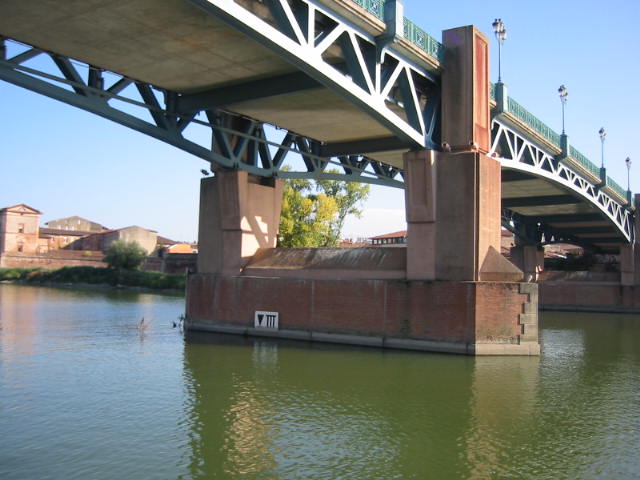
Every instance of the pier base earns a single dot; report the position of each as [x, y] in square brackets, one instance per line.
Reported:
[450, 290]
[472, 318]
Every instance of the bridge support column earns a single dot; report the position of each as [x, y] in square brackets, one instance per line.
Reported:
[630, 254]
[457, 294]
[529, 259]
[420, 205]
[627, 265]
[239, 213]
[468, 182]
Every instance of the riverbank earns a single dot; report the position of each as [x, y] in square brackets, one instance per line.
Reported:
[95, 277]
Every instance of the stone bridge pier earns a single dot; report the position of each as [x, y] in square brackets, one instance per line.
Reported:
[630, 254]
[450, 290]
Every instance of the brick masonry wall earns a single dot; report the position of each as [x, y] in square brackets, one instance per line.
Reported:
[16, 260]
[455, 312]
[586, 294]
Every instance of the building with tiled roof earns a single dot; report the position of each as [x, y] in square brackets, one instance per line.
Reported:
[19, 226]
[76, 223]
[390, 239]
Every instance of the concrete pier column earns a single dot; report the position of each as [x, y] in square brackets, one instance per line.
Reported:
[630, 254]
[468, 182]
[529, 259]
[636, 253]
[627, 265]
[420, 205]
[239, 213]
[460, 295]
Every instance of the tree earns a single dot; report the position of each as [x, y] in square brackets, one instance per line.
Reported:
[125, 255]
[313, 213]
[349, 196]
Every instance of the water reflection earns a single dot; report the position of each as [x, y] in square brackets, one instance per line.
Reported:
[505, 392]
[17, 319]
[295, 411]
[84, 395]
[269, 409]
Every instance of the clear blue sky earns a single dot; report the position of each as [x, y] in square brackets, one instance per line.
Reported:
[66, 162]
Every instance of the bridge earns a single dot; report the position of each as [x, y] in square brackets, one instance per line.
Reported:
[348, 89]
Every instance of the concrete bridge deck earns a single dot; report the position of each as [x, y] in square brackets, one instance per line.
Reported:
[176, 45]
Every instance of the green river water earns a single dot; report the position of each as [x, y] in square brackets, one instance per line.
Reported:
[86, 394]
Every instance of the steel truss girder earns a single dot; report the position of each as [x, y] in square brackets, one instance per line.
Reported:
[535, 233]
[247, 147]
[516, 152]
[372, 77]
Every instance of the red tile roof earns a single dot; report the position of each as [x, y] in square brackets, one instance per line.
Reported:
[402, 233]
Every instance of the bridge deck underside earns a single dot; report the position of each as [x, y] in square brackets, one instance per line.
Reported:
[569, 216]
[176, 46]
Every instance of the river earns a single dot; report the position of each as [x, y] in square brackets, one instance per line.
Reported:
[86, 394]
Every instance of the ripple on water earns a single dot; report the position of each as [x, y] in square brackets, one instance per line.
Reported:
[84, 395]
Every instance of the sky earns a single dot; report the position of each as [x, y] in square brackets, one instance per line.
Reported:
[64, 161]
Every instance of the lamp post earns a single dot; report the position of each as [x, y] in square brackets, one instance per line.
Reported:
[562, 92]
[501, 35]
[602, 134]
[628, 163]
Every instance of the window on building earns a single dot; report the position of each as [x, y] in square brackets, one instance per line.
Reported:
[20, 247]
[21, 228]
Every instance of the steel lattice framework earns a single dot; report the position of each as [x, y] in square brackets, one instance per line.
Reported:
[516, 152]
[400, 94]
[232, 142]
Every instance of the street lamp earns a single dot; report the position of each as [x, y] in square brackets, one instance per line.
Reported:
[562, 92]
[628, 162]
[501, 35]
[602, 134]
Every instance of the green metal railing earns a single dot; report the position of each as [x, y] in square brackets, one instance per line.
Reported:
[376, 7]
[412, 32]
[531, 120]
[616, 187]
[432, 47]
[584, 161]
[422, 39]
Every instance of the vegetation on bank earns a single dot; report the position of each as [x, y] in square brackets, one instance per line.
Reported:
[125, 255]
[95, 276]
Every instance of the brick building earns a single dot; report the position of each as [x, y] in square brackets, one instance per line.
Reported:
[19, 229]
[66, 241]
[395, 239]
[76, 223]
[148, 239]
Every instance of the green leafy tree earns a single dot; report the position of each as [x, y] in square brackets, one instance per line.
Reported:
[313, 213]
[349, 196]
[125, 255]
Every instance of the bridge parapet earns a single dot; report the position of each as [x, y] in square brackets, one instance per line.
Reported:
[552, 141]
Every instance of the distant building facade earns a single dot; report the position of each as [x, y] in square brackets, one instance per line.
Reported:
[148, 239]
[73, 241]
[19, 229]
[75, 223]
[395, 239]
[63, 239]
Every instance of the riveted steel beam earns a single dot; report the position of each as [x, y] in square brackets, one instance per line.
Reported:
[517, 153]
[235, 142]
[263, 88]
[372, 78]
[570, 218]
[539, 201]
[514, 176]
[380, 144]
